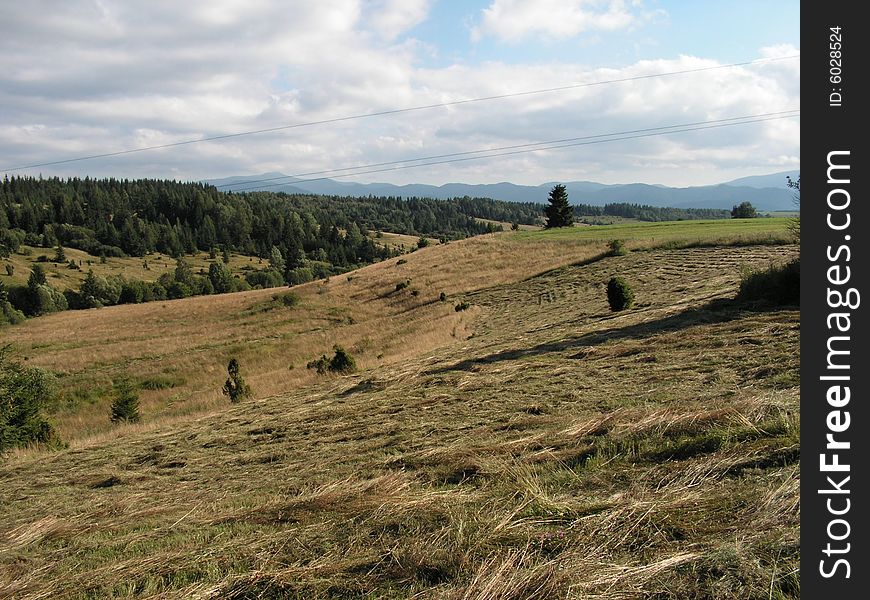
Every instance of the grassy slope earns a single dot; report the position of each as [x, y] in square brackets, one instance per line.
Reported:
[560, 451]
[62, 277]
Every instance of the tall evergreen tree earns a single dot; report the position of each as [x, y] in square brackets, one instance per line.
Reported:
[59, 254]
[125, 406]
[559, 213]
[235, 387]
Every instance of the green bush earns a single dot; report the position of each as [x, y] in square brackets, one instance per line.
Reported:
[125, 406]
[321, 364]
[267, 278]
[342, 361]
[619, 294]
[442, 297]
[8, 313]
[402, 285]
[617, 248]
[778, 284]
[462, 306]
[25, 393]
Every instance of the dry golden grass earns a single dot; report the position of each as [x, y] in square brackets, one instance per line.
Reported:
[561, 451]
[398, 241]
[187, 343]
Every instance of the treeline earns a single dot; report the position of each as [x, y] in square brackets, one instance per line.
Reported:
[122, 217]
[643, 212]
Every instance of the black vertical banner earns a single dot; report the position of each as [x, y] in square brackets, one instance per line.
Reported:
[835, 363]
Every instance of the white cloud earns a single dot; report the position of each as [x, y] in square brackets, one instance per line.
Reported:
[514, 20]
[101, 76]
[391, 18]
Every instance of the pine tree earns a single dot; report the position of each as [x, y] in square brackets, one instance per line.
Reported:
[37, 277]
[559, 213]
[235, 387]
[59, 254]
[125, 406]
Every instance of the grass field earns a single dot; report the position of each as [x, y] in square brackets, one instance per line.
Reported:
[398, 241]
[61, 277]
[534, 446]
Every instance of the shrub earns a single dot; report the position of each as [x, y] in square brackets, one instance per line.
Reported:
[178, 290]
[132, 292]
[401, 261]
[442, 297]
[125, 406]
[462, 306]
[321, 364]
[24, 393]
[299, 275]
[289, 299]
[778, 284]
[235, 387]
[617, 248]
[10, 269]
[9, 314]
[422, 242]
[267, 278]
[342, 361]
[619, 294]
[402, 285]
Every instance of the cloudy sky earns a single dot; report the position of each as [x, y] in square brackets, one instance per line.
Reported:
[87, 77]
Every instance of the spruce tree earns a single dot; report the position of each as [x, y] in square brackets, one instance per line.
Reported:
[559, 213]
[125, 406]
[59, 254]
[235, 387]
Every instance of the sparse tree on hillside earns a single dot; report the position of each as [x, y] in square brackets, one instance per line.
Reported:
[59, 254]
[125, 406]
[235, 387]
[559, 213]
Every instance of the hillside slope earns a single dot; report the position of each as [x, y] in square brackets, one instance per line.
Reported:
[560, 451]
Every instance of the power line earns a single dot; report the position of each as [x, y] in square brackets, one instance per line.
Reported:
[396, 111]
[511, 150]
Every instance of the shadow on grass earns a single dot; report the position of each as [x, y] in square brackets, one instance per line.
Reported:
[720, 310]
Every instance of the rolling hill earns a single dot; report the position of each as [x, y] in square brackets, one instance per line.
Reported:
[533, 446]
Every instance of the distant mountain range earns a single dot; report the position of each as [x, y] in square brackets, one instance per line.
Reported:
[765, 192]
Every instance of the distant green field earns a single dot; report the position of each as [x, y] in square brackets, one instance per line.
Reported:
[725, 231]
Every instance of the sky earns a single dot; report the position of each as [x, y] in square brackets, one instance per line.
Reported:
[80, 78]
